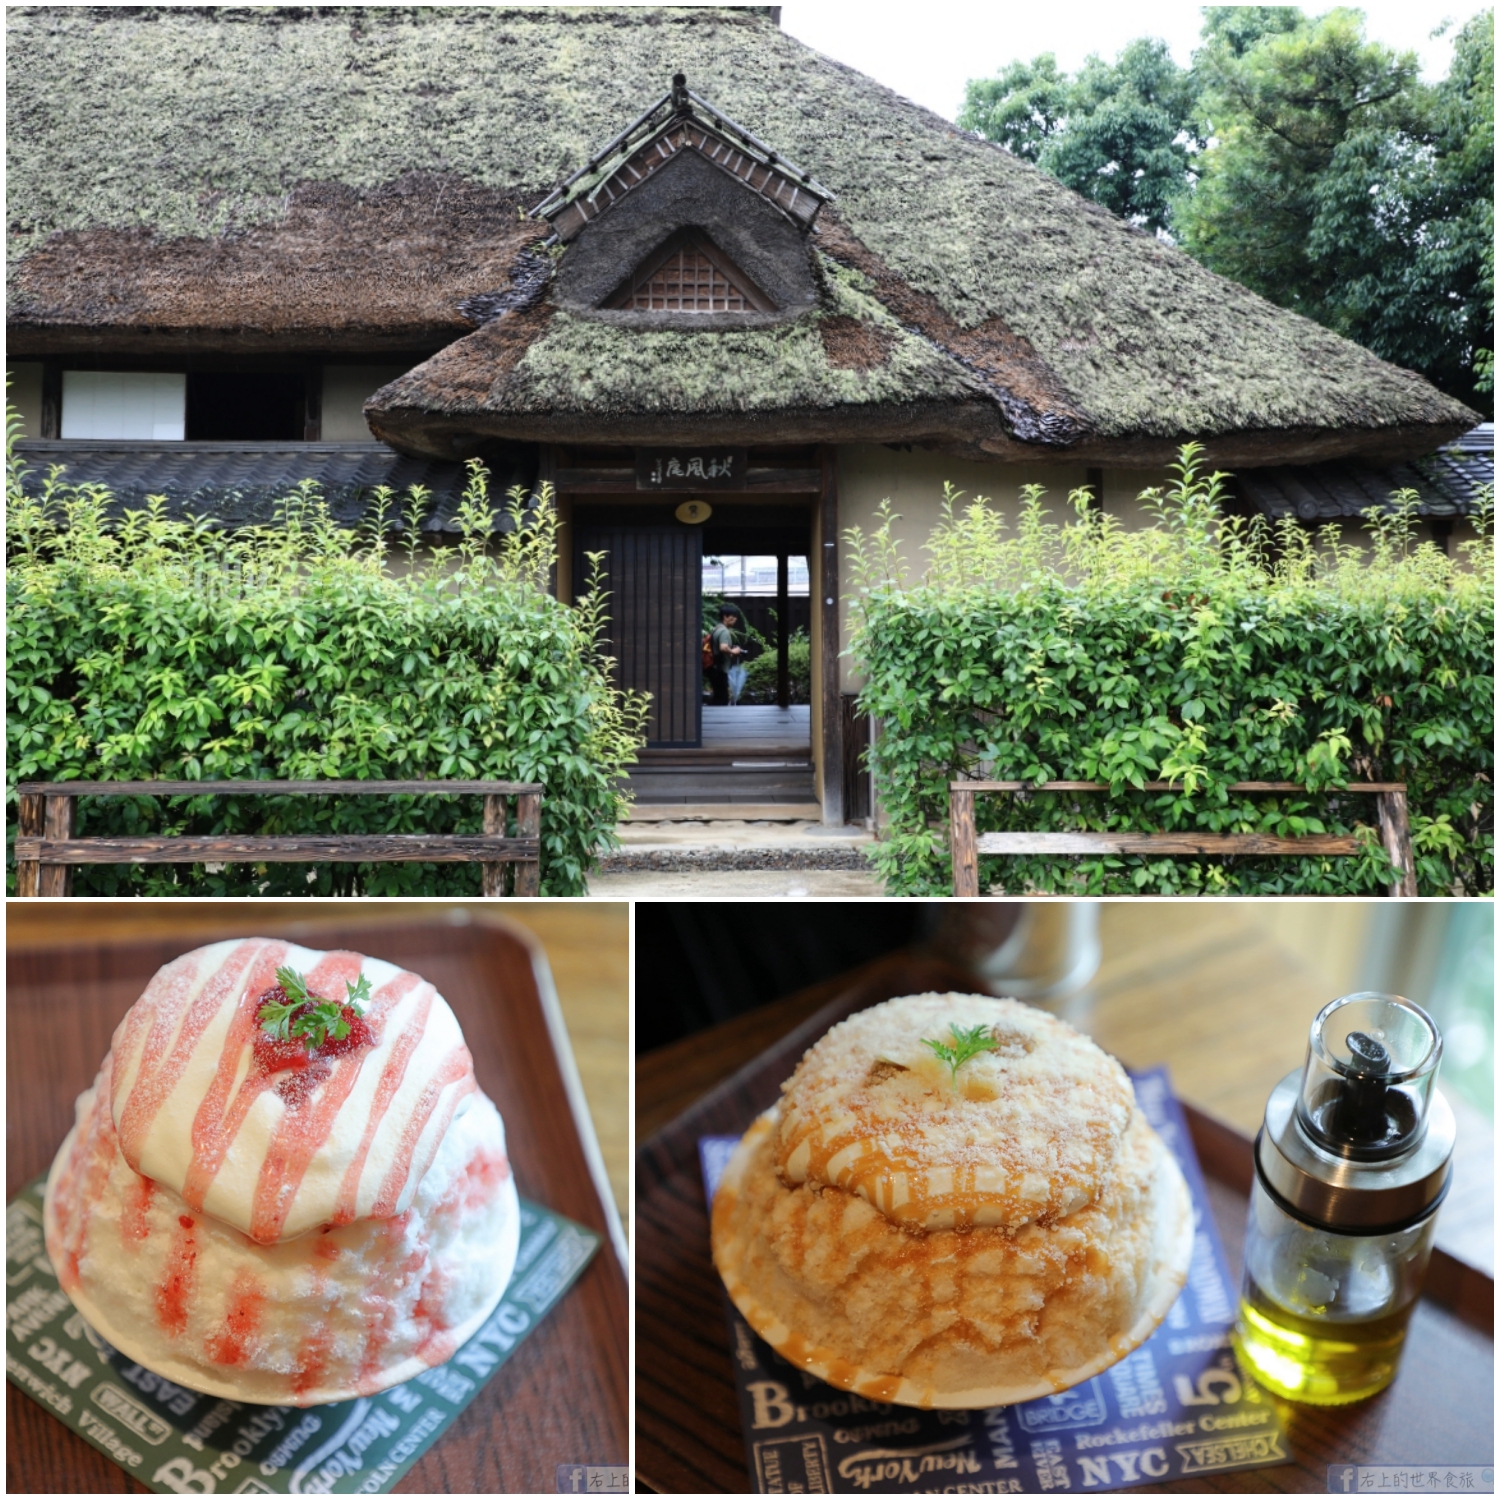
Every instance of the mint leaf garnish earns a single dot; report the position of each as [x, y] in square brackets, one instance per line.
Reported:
[969, 1042]
[309, 1018]
[359, 994]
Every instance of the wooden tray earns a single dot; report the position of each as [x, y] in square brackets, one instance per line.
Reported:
[1439, 1410]
[563, 1397]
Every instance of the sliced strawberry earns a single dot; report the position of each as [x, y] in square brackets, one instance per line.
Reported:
[358, 1035]
[293, 1054]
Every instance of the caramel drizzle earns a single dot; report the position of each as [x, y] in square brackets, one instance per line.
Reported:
[878, 1170]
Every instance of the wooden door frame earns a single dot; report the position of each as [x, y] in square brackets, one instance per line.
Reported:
[614, 479]
[831, 767]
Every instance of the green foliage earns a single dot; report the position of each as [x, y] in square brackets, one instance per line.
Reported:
[1342, 186]
[1298, 159]
[153, 649]
[309, 1017]
[1120, 133]
[1202, 650]
[760, 682]
[1022, 109]
[968, 1043]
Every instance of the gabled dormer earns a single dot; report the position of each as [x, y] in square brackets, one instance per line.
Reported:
[686, 219]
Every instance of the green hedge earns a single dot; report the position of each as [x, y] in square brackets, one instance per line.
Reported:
[1202, 650]
[141, 647]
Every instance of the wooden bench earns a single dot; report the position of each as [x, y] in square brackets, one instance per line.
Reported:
[46, 849]
[966, 845]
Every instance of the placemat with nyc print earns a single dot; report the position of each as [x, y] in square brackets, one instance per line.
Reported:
[1178, 1407]
[174, 1440]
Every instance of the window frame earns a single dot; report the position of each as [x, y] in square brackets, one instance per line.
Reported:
[691, 237]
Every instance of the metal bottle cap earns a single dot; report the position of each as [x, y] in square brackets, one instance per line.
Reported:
[1360, 1140]
[1352, 1197]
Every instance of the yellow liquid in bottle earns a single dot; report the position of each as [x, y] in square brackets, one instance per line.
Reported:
[1313, 1360]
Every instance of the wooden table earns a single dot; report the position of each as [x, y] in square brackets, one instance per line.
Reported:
[563, 1397]
[587, 943]
[1197, 988]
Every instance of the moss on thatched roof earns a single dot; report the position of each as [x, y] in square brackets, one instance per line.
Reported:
[577, 371]
[332, 173]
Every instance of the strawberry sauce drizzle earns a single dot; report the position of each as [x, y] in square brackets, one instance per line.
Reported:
[175, 1290]
[247, 1302]
[387, 1089]
[301, 1132]
[81, 1182]
[215, 1126]
[135, 1221]
[457, 1067]
[312, 1358]
[163, 1060]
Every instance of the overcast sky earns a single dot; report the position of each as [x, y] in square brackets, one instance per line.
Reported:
[928, 49]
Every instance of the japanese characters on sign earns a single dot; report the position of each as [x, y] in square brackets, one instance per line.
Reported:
[690, 468]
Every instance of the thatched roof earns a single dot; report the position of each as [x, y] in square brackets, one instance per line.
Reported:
[345, 178]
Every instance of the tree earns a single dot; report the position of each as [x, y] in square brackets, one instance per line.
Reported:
[1121, 133]
[1337, 184]
[1295, 157]
[1131, 134]
[1021, 109]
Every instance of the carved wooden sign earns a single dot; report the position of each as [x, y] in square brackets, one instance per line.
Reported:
[690, 468]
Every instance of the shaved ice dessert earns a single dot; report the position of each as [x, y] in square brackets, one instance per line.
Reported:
[285, 1185]
[956, 1203]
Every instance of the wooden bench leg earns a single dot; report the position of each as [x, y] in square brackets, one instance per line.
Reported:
[963, 843]
[494, 823]
[57, 823]
[30, 821]
[528, 880]
[1395, 835]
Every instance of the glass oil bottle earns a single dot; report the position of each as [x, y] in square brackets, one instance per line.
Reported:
[1351, 1166]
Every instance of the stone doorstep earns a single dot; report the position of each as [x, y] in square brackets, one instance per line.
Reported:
[741, 834]
[745, 885]
[715, 812]
[737, 844]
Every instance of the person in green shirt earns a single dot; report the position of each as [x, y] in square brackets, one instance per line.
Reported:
[726, 654]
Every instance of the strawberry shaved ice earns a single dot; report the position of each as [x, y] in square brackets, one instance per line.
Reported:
[283, 1218]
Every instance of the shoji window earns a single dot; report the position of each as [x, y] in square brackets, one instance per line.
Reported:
[118, 404]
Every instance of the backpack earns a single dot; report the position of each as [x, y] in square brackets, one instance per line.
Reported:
[708, 651]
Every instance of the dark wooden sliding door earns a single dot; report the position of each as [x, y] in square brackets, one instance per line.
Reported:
[654, 575]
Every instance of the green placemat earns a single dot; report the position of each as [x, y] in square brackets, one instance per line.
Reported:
[176, 1441]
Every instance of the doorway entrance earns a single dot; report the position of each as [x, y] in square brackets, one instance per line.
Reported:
[758, 751]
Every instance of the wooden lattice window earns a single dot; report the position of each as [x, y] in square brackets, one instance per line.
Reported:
[690, 275]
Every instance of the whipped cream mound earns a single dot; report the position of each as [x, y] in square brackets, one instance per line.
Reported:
[277, 1154]
[1030, 1130]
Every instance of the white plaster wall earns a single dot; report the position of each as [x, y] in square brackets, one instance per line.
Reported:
[24, 382]
[346, 388]
[913, 482]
